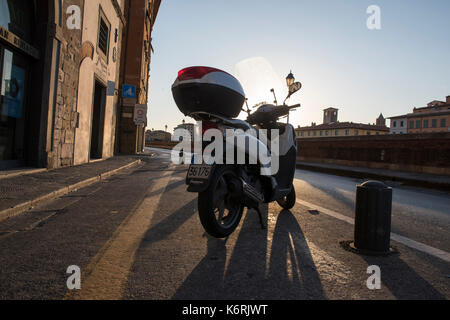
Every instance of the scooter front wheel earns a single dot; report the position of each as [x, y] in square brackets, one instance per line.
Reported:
[219, 213]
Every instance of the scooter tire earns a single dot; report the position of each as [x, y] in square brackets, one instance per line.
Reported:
[206, 208]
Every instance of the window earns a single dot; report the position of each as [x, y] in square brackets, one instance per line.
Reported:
[401, 123]
[434, 123]
[321, 133]
[418, 123]
[315, 133]
[347, 132]
[395, 124]
[443, 123]
[368, 133]
[411, 124]
[425, 123]
[104, 28]
[336, 133]
[356, 132]
[326, 132]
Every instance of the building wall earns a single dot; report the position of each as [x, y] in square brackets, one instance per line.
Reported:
[400, 126]
[135, 68]
[422, 129]
[158, 136]
[93, 69]
[428, 153]
[64, 120]
[324, 133]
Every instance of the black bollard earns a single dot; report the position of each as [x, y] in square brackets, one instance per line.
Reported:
[373, 217]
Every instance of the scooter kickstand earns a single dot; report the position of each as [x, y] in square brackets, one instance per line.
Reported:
[263, 226]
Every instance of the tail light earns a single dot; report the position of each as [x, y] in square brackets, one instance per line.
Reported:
[206, 125]
[195, 72]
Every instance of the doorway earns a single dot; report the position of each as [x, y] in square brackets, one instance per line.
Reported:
[98, 121]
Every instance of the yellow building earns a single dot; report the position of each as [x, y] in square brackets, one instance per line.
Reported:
[333, 128]
[435, 117]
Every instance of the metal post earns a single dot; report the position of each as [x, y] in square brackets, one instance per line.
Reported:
[373, 217]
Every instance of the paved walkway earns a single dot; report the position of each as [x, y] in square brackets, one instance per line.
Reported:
[20, 190]
[418, 179]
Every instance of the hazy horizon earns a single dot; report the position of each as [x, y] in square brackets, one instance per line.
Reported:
[326, 44]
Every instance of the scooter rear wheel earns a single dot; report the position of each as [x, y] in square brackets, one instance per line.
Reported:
[219, 213]
[288, 202]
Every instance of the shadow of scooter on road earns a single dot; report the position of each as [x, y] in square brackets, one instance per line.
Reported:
[288, 272]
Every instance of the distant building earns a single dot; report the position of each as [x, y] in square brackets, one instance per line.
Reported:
[435, 117]
[188, 126]
[157, 135]
[381, 121]
[399, 125]
[330, 115]
[333, 128]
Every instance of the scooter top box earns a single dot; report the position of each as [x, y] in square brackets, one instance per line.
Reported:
[208, 90]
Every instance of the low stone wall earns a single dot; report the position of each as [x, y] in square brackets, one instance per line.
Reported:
[159, 144]
[422, 153]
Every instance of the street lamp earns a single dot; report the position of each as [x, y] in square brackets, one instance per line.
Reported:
[290, 79]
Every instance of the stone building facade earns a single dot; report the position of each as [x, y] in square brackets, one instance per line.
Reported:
[51, 64]
[65, 115]
[98, 90]
[140, 18]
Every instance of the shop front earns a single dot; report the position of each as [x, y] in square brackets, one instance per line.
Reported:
[17, 56]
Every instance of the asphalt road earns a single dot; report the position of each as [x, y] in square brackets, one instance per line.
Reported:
[137, 235]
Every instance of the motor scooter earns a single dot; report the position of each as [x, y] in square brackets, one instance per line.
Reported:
[256, 171]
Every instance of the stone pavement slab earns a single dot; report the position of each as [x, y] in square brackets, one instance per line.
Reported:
[19, 191]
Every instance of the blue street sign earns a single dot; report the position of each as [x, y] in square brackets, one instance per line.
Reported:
[128, 91]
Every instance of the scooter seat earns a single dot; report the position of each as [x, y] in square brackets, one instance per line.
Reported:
[239, 124]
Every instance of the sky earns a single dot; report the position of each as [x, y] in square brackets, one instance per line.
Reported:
[340, 62]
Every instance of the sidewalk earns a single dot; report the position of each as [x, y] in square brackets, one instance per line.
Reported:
[426, 180]
[19, 193]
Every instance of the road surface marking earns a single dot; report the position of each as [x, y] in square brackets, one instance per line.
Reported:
[106, 275]
[403, 240]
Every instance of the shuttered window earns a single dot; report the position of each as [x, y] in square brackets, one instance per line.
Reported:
[103, 37]
[104, 29]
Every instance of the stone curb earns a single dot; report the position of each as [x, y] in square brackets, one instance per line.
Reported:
[21, 173]
[25, 206]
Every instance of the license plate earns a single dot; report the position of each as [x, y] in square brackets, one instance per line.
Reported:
[199, 171]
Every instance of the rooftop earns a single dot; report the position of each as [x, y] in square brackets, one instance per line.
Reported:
[423, 113]
[344, 125]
